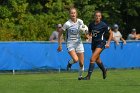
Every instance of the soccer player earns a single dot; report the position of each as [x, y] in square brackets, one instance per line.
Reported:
[73, 41]
[97, 29]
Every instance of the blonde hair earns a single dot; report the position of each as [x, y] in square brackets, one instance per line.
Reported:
[72, 8]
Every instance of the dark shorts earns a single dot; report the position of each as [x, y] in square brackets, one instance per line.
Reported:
[98, 44]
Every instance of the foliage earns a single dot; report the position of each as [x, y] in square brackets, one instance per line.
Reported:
[36, 19]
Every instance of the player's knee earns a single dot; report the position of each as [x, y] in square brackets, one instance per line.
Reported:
[92, 60]
[98, 61]
[75, 60]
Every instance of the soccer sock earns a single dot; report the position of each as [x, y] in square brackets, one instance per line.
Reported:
[71, 61]
[101, 66]
[81, 70]
[90, 69]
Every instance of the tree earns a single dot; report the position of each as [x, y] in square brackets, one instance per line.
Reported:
[36, 19]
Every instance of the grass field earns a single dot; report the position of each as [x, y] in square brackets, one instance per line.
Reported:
[118, 81]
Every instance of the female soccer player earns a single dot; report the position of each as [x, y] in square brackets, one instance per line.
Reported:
[97, 29]
[73, 41]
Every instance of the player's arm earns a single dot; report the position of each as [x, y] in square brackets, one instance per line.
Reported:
[109, 39]
[60, 40]
[89, 34]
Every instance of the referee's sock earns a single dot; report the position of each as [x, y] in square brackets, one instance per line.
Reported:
[90, 69]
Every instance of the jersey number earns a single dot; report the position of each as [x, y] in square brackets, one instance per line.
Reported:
[95, 33]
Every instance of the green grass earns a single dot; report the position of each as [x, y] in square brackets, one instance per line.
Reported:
[118, 81]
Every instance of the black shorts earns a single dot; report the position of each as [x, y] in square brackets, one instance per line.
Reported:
[98, 44]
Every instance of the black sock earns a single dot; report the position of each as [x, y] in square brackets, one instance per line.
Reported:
[101, 66]
[90, 69]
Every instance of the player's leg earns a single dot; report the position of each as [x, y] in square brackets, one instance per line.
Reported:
[101, 66]
[74, 59]
[80, 53]
[81, 64]
[72, 53]
[94, 57]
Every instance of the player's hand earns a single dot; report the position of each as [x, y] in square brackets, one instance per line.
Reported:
[59, 48]
[107, 45]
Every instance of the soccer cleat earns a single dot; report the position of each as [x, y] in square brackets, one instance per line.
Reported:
[86, 78]
[80, 78]
[69, 66]
[105, 74]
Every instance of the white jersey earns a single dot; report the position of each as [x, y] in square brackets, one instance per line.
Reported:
[73, 32]
[73, 37]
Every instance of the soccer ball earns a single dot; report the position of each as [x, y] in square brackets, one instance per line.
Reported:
[84, 29]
